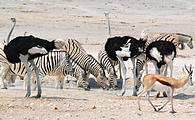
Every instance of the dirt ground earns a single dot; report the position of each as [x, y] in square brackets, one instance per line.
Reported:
[85, 22]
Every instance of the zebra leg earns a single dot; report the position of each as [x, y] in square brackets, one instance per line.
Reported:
[59, 82]
[13, 78]
[62, 82]
[36, 69]
[24, 60]
[124, 70]
[3, 72]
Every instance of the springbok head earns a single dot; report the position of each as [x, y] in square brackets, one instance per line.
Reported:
[189, 72]
[144, 34]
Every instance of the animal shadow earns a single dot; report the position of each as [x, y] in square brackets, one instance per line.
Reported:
[183, 96]
[63, 98]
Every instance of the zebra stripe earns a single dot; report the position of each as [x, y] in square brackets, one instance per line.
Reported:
[109, 64]
[55, 63]
[87, 62]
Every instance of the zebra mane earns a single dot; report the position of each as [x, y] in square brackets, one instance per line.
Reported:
[183, 35]
[101, 66]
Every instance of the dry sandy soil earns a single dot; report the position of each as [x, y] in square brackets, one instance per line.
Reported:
[84, 21]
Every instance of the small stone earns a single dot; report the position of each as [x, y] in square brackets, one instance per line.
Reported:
[31, 104]
[94, 107]
[58, 118]
[68, 115]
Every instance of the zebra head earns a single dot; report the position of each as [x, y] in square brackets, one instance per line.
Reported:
[190, 44]
[183, 38]
[101, 80]
[112, 79]
[83, 81]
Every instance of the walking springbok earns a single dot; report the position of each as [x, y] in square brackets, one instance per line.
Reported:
[163, 83]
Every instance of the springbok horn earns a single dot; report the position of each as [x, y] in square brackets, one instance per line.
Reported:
[190, 67]
[187, 69]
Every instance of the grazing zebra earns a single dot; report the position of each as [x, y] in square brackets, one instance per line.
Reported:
[179, 39]
[56, 63]
[109, 64]
[77, 54]
[4, 70]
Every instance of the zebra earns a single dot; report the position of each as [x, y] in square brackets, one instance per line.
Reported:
[77, 54]
[56, 63]
[177, 38]
[109, 64]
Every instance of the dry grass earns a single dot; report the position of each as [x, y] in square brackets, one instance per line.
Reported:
[30, 11]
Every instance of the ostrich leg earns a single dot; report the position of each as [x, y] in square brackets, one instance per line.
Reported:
[24, 60]
[123, 70]
[135, 88]
[37, 78]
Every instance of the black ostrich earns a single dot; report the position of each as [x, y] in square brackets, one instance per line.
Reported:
[123, 48]
[161, 53]
[24, 49]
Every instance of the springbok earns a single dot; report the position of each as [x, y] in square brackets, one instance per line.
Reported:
[163, 83]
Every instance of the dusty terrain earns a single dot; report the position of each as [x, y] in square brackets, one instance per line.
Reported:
[84, 21]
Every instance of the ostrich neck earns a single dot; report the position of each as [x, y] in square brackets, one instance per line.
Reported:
[10, 33]
[108, 22]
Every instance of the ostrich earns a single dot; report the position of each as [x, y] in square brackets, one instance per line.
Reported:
[122, 48]
[161, 53]
[134, 48]
[24, 49]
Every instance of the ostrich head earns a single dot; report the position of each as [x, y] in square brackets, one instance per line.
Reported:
[59, 43]
[144, 34]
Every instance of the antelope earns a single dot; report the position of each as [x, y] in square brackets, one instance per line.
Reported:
[164, 84]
